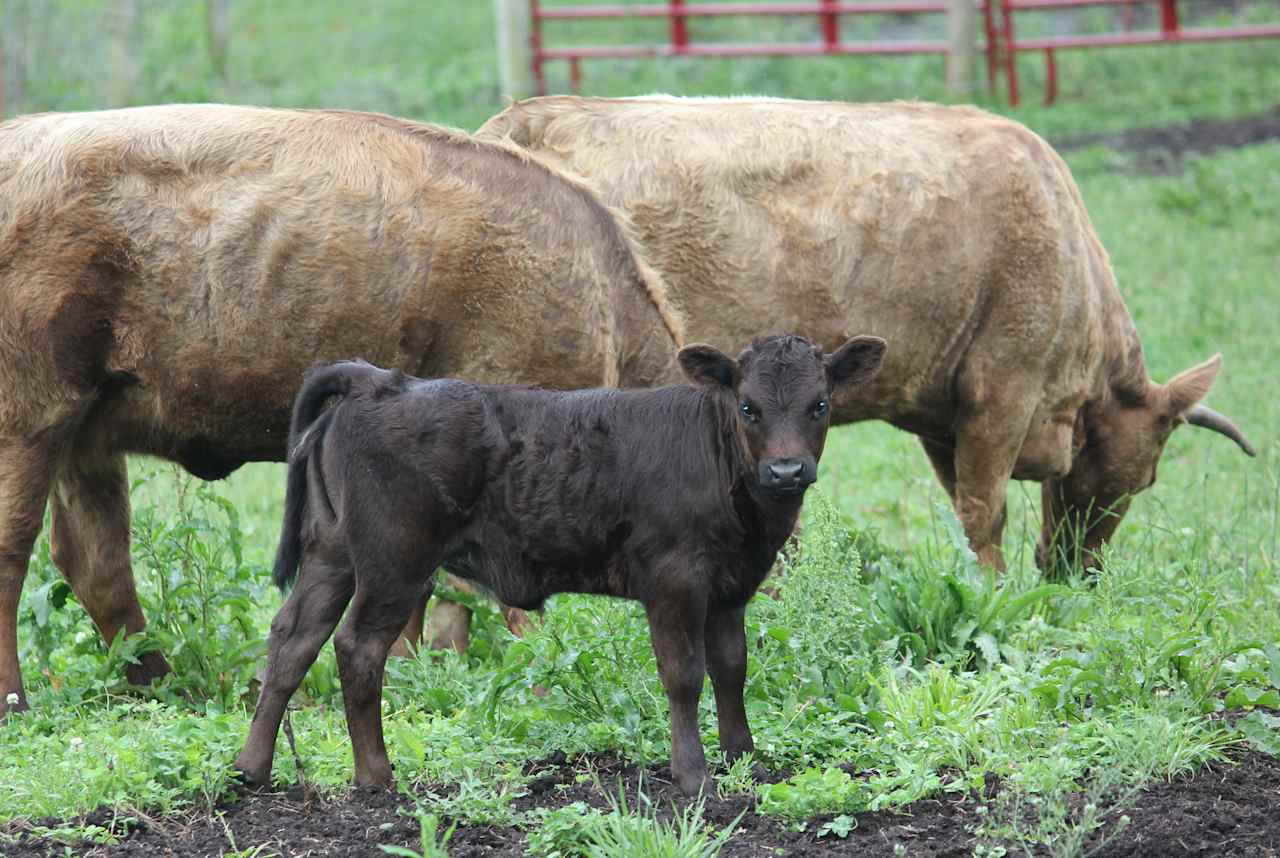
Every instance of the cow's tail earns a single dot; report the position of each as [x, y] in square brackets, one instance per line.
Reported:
[310, 420]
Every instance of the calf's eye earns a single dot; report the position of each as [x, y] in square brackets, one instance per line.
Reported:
[820, 409]
[749, 412]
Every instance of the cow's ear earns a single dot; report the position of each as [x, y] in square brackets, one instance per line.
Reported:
[1187, 388]
[704, 364]
[855, 362]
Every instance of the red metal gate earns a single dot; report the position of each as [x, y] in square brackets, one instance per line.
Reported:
[1001, 45]
[678, 12]
[1001, 33]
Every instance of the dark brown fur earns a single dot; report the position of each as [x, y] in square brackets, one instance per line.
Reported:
[678, 497]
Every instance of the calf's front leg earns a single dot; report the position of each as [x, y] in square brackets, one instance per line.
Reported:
[676, 624]
[726, 642]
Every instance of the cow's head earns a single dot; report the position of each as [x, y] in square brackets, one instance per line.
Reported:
[1122, 439]
[780, 389]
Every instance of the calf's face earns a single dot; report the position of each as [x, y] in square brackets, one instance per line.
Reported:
[781, 389]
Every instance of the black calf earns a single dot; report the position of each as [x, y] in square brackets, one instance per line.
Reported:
[679, 497]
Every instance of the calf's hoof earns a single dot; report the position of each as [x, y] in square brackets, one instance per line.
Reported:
[734, 751]
[694, 784]
[375, 776]
[247, 772]
[250, 780]
[150, 666]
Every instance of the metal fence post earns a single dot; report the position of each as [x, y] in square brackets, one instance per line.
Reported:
[961, 53]
[512, 20]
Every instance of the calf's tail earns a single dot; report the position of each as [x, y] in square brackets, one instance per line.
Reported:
[310, 419]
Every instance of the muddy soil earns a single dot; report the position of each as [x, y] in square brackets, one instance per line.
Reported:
[1162, 150]
[1228, 809]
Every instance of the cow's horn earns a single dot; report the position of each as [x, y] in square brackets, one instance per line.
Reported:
[1207, 418]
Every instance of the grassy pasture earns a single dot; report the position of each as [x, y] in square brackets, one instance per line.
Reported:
[888, 649]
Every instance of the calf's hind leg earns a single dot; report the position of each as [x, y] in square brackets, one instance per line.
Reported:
[385, 597]
[89, 542]
[301, 627]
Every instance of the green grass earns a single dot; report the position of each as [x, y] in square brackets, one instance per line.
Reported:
[919, 671]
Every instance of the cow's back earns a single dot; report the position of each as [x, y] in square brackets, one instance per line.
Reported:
[199, 257]
[903, 220]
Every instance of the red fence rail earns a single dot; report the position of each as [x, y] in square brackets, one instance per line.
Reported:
[1001, 47]
[678, 12]
[1000, 33]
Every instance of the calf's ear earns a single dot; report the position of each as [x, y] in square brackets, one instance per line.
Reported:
[704, 364]
[855, 362]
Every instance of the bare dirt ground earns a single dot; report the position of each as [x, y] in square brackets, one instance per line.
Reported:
[1227, 809]
[1162, 150]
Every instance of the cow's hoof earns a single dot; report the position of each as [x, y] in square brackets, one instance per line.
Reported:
[151, 666]
[12, 702]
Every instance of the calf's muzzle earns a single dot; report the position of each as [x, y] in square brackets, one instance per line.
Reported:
[787, 476]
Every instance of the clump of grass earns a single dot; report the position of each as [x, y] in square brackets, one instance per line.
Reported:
[431, 843]
[1060, 823]
[948, 607]
[642, 833]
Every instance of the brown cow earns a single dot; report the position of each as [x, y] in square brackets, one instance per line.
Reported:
[957, 235]
[679, 498]
[167, 273]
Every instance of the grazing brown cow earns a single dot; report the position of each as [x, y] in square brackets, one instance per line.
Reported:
[167, 273]
[957, 235]
[678, 497]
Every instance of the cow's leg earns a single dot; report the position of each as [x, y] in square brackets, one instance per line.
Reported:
[410, 640]
[385, 597]
[726, 639]
[987, 445]
[519, 622]
[89, 542]
[299, 629]
[676, 626]
[450, 626]
[943, 458]
[25, 474]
